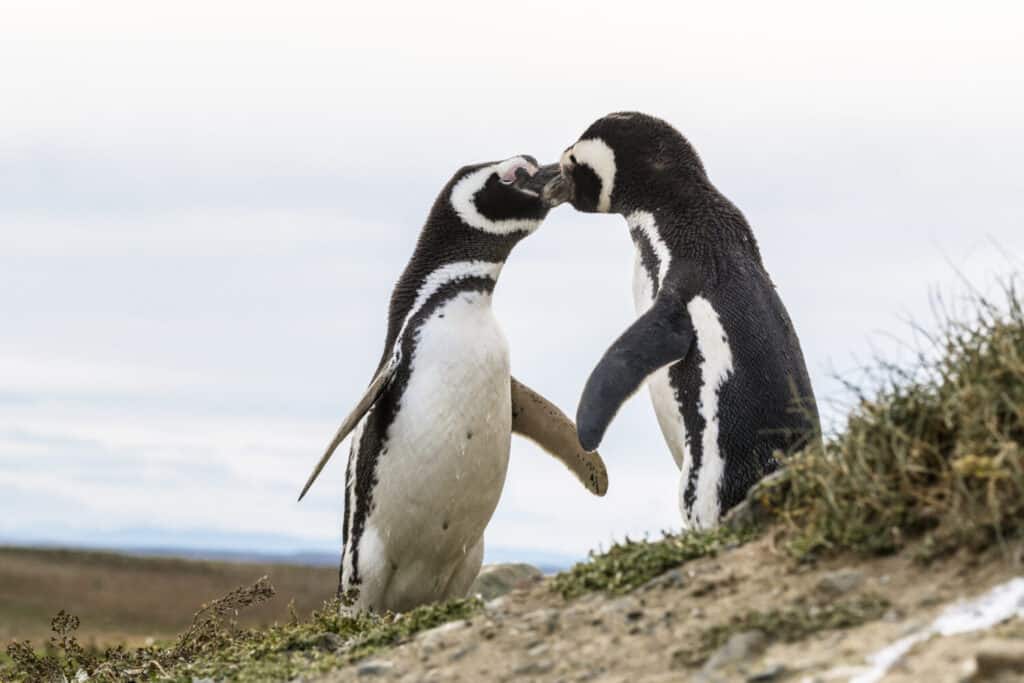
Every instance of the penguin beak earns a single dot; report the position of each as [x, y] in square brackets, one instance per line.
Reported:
[534, 183]
[558, 187]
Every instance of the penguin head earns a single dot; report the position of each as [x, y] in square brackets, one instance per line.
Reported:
[502, 197]
[619, 160]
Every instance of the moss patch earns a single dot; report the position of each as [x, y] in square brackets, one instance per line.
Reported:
[627, 565]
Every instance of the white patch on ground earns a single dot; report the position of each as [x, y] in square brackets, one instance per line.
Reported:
[999, 604]
[715, 370]
[596, 154]
[466, 188]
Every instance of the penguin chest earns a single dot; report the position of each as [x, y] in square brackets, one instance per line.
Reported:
[449, 443]
[663, 395]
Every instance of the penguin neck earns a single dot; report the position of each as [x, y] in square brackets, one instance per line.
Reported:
[424, 281]
[703, 226]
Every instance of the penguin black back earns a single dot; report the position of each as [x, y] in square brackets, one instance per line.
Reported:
[713, 339]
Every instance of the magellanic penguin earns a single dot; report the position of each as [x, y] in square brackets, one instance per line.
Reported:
[712, 338]
[432, 432]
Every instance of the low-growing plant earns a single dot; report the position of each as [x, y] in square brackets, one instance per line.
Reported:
[937, 452]
[215, 647]
[630, 564]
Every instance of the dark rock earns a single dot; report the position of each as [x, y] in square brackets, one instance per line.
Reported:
[375, 667]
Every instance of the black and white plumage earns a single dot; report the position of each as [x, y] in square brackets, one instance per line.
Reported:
[432, 432]
[712, 339]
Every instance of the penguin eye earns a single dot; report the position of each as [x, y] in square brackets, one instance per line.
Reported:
[572, 158]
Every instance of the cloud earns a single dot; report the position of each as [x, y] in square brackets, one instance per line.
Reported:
[202, 221]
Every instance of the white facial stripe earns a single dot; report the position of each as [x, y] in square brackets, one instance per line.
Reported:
[644, 222]
[714, 371]
[442, 276]
[464, 191]
[596, 154]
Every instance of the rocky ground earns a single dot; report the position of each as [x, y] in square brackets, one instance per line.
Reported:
[748, 614]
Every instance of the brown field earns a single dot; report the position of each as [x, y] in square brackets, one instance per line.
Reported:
[125, 599]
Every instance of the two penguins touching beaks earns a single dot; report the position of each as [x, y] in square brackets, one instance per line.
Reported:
[712, 339]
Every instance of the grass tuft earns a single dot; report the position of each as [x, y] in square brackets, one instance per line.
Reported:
[936, 453]
[628, 565]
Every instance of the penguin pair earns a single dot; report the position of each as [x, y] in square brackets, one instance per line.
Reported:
[431, 433]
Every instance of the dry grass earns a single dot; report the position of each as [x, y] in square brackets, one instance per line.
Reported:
[937, 452]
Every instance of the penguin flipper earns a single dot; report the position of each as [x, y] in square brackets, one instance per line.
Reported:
[539, 420]
[377, 385]
[661, 336]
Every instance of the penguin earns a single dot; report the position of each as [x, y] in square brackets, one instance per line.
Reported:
[431, 433]
[712, 338]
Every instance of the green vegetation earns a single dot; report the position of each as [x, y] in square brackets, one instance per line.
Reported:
[628, 565]
[215, 647]
[936, 453]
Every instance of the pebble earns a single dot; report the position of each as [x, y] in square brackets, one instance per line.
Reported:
[438, 638]
[840, 582]
[535, 668]
[674, 578]
[996, 657]
[544, 620]
[375, 667]
[462, 651]
[329, 641]
[740, 647]
[773, 672]
[627, 608]
[538, 650]
[498, 579]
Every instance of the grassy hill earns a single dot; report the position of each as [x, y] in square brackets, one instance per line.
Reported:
[121, 598]
[850, 564]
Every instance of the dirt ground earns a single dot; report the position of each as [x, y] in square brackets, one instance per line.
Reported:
[659, 632]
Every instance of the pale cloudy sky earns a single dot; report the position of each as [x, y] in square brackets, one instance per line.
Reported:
[203, 208]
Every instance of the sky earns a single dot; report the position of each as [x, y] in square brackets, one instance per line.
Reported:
[204, 206]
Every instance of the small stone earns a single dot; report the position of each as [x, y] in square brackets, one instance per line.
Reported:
[328, 641]
[840, 582]
[544, 620]
[534, 668]
[997, 657]
[438, 638]
[739, 648]
[497, 579]
[496, 607]
[375, 667]
[771, 673]
[674, 578]
[462, 651]
[538, 650]
[627, 608]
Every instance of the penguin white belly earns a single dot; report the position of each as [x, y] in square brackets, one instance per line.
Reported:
[447, 456]
[663, 396]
